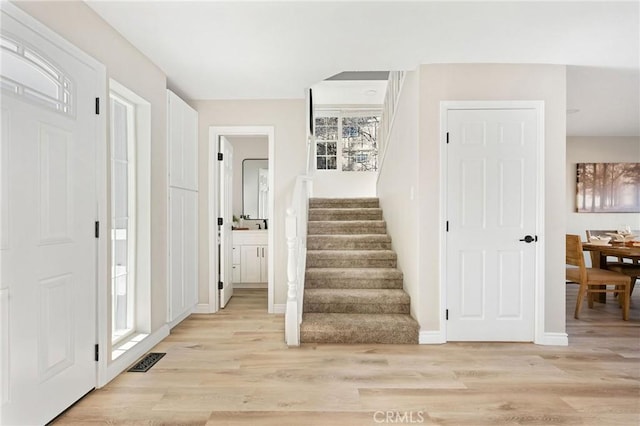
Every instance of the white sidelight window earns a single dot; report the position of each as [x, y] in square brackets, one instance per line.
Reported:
[347, 140]
[123, 215]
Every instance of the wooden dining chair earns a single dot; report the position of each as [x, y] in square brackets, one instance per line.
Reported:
[630, 268]
[594, 280]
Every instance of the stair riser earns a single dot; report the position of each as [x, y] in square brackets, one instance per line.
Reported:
[336, 244]
[346, 228]
[366, 203]
[338, 215]
[343, 283]
[397, 337]
[356, 308]
[350, 263]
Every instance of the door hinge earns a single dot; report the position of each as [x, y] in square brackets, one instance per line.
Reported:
[446, 314]
[220, 285]
[447, 137]
[447, 226]
[96, 229]
[97, 106]
[220, 156]
[220, 221]
[97, 352]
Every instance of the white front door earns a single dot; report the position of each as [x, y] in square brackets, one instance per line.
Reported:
[48, 252]
[491, 207]
[226, 209]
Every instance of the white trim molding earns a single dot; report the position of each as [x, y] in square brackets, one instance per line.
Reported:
[132, 354]
[436, 337]
[553, 339]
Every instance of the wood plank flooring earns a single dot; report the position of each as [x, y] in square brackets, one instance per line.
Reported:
[233, 368]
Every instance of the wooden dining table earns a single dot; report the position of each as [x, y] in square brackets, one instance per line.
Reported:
[619, 250]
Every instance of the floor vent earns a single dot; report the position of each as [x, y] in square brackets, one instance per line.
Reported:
[147, 362]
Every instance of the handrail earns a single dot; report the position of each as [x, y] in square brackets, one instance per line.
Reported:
[394, 87]
[296, 233]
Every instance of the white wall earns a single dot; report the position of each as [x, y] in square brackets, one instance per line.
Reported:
[245, 147]
[339, 184]
[398, 188]
[288, 118]
[80, 25]
[597, 150]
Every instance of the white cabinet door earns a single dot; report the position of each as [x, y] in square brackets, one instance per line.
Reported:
[250, 264]
[183, 219]
[263, 263]
[182, 131]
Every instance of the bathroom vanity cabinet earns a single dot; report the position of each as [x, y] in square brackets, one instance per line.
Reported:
[250, 256]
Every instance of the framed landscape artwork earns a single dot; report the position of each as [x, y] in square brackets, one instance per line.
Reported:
[608, 188]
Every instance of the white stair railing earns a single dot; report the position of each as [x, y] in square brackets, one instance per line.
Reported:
[296, 233]
[394, 86]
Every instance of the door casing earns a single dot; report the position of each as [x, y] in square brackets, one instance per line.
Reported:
[538, 106]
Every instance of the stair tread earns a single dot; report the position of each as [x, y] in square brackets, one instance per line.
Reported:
[355, 272]
[363, 237]
[360, 296]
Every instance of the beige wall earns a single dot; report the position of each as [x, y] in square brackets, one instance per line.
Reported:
[398, 188]
[80, 25]
[597, 150]
[288, 119]
[492, 82]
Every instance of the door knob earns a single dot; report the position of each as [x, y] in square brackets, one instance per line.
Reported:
[529, 239]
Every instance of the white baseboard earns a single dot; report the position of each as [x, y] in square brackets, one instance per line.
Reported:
[251, 285]
[134, 353]
[431, 338]
[279, 308]
[180, 318]
[203, 308]
[553, 339]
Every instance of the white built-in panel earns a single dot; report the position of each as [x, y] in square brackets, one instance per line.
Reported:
[472, 283]
[4, 180]
[5, 377]
[177, 301]
[511, 193]
[183, 221]
[510, 283]
[183, 143]
[56, 183]
[55, 331]
[472, 195]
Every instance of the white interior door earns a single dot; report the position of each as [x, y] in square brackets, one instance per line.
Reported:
[491, 207]
[226, 205]
[48, 253]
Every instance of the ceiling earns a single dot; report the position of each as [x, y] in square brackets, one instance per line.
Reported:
[273, 50]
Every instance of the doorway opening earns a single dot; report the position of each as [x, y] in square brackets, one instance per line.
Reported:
[241, 225]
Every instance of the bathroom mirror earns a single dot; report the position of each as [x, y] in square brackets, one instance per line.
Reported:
[255, 188]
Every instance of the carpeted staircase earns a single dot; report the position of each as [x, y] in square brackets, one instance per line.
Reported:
[353, 290]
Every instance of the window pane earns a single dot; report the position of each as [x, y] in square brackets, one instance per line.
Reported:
[321, 163]
[120, 189]
[119, 128]
[359, 139]
[332, 148]
[332, 163]
[322, 148]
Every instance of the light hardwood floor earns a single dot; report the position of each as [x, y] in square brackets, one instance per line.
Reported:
[233, 368]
